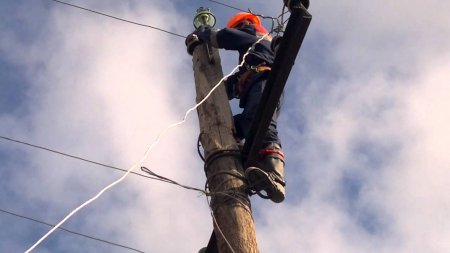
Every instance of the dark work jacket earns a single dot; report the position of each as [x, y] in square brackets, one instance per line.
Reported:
[241, 40]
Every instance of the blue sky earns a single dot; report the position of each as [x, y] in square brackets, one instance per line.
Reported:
[364, 128]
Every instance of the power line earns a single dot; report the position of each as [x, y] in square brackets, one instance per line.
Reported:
[153, 176]
[226, 5]
[70, 231]
[75, 157]
[144, 25]
[144, 169]
[120, 19]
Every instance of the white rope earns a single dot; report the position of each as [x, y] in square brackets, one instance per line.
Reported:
[154, 143]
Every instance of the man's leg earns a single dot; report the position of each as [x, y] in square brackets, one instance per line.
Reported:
[269, 176]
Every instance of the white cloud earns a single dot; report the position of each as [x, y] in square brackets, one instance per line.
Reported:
[368, 173]
[370, 166]
[418, 185]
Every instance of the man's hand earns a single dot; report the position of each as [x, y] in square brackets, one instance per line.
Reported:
[203, 33]
[191, 42]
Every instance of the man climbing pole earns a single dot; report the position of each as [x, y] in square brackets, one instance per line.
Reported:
[242, 32]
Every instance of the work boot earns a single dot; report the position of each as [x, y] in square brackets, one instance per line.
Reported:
[270, 177]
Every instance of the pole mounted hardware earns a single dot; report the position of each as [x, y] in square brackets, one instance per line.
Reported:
[292, 4]
[203, 17]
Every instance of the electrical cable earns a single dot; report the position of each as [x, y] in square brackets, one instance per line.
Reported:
[226, 5]
[74, 157]
[160, 29]
[219, 154]
[153, 176]
[120, 19]
[170, 181]
[70, 231]
[144, 169]
[198, 148]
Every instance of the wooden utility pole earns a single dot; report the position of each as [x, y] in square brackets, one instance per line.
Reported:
[233, 221]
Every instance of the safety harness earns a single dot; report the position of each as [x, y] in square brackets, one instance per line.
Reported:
[241, 85]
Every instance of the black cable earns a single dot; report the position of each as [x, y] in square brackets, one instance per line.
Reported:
[153, 175]
[198, 148]
[120, 19]
[154, 27]
[218, 154]
[170, 181]
[226, 5]
[75, 157]
[224, 153]
[70, 231]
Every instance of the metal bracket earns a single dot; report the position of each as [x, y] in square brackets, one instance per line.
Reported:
[286, 54]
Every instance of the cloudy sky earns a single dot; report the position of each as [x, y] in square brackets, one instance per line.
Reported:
[364, 128]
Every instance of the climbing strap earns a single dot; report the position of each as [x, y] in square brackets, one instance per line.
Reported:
[270, 151]
[251, 70]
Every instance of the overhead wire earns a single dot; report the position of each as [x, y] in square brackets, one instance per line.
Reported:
[170, 181]
[152, 174]
[227, 5]
[74, 157]
[71, 231]
[144, 169]
[120, 19]
[157, 28]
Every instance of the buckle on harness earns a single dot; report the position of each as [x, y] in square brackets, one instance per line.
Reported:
[261, 69]
[258, 68]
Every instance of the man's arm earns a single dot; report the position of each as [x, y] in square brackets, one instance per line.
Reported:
[232, 39]
[227, 38]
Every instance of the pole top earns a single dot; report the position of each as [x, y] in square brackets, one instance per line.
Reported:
[204, 16]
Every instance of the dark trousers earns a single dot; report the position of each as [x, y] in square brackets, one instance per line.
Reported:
[250, 102]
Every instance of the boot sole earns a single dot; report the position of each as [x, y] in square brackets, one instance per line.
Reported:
[261, 181]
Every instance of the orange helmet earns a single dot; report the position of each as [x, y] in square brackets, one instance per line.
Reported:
[241, 16]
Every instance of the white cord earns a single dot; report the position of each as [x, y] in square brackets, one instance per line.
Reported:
[155, 142]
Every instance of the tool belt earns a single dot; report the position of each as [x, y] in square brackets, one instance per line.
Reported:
[242, 84]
